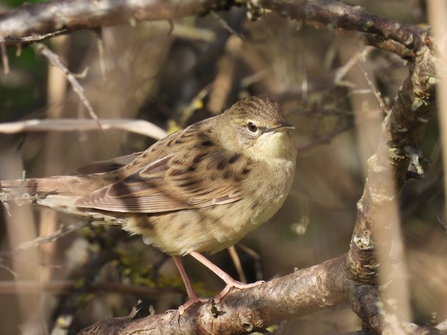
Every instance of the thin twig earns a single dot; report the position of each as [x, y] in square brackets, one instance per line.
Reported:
[320, 139]
[378, 95]
[52, 237]
[5, 60]
[237, 263]
[32, 38]
[68, 286]
[225, 25]
[77, 87]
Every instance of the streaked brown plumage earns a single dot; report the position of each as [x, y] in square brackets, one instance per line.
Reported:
[200, 189]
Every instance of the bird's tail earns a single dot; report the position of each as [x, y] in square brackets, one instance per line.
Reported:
[59, 193]
[63, 185]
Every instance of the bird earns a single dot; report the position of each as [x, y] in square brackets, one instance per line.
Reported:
[200, 189]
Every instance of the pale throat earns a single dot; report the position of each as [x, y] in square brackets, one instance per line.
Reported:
[273, 146]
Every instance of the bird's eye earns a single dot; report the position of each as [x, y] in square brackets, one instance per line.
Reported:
[252, 127]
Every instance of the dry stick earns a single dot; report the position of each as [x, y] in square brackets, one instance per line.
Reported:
[237, 263]
[225, 25]
[100, 46]
[256, 259]
[32, 38]
[326, 138]
[5, 60]
[7, 268]
[142, 127]
[70, 286]
[375, 91]
[77, 87]
[51, 237]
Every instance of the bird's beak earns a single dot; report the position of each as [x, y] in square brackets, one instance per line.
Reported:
[285, 126]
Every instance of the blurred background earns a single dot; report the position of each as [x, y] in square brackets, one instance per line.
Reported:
[173, 74]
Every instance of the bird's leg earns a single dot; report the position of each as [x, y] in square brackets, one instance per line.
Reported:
[192, 295]
[230, 281]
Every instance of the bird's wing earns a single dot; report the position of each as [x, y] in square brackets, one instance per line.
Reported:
[194, 179]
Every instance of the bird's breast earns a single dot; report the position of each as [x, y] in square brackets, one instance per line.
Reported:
[213, 228]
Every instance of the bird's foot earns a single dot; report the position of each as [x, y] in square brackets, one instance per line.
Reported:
[224, 276]
[237, 284]
[192, 300]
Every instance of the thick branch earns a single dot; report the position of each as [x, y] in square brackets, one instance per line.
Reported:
[295, 295]
[48, 17]
[402, 129]
[300, 293]
[335, 14]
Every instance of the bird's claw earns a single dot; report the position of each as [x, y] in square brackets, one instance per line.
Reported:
[192, 300]
[236, 284]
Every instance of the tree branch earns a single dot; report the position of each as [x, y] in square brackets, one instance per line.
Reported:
[48, 17]
[335, 14]
[307, 290]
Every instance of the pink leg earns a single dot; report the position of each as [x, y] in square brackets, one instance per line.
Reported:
[223, 275]
[193, 298]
